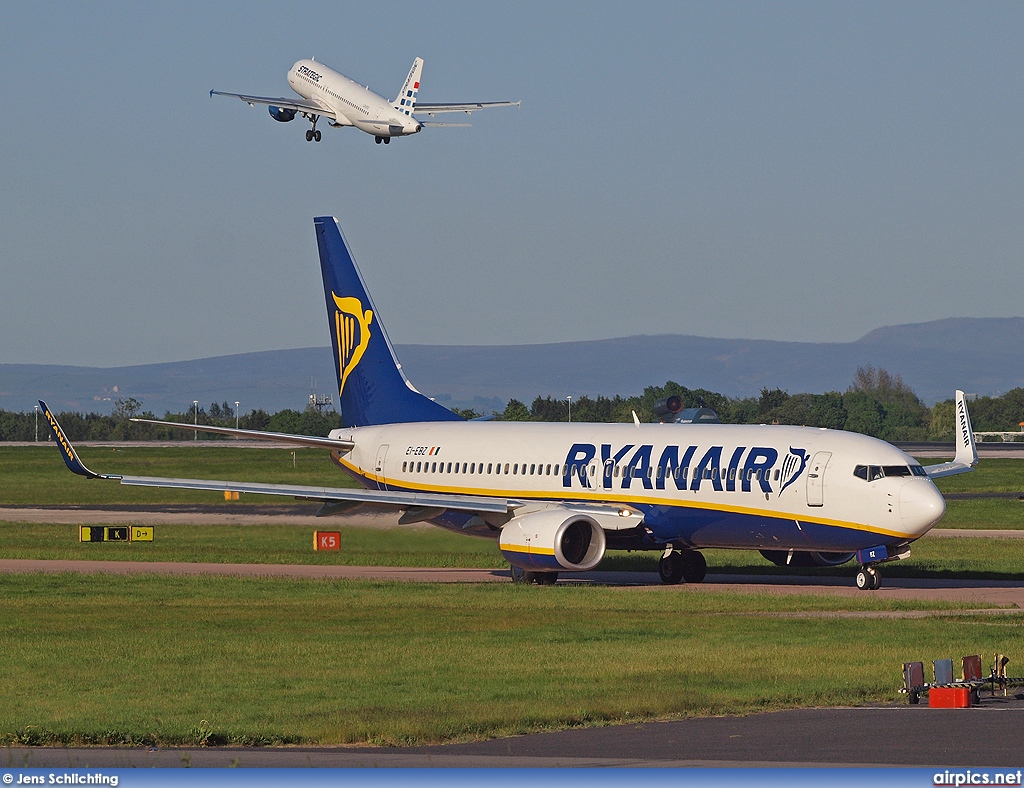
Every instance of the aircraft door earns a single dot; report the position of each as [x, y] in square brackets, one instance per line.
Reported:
[816, 478]
[378, 467]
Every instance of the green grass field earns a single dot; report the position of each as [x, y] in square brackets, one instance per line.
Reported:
[991, 475]
[97, 659]
[37, 475]
[984, 513]
[205, 660]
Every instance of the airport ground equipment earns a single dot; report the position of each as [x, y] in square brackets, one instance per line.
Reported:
[947, 692]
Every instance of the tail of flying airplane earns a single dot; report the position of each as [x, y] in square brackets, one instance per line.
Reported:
[406, 101]
[371, 385]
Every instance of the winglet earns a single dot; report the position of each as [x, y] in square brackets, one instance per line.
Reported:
[966, 449]
[67, 451]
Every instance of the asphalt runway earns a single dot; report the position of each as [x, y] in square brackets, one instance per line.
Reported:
[988, 735]
[1007, 593]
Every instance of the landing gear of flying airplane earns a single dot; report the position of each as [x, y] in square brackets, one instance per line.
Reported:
[869, 578]
[688, 565]
[385, 140]
[524, 577]
[313, 133]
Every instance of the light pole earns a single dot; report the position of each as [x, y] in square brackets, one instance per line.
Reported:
[570, 407]
[236, 414]
[195, 404]
[37, 422]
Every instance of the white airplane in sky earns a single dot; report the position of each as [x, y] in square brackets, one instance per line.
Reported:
[557, 496]
[327, 94]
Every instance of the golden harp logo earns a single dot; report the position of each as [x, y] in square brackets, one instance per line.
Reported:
[352, 328]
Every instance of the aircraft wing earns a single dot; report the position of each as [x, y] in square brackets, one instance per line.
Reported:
[397, 499]
[404, 500]
[299, 105]
[966, 449]
[433, 109]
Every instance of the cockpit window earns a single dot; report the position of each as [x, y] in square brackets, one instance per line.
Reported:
[868, 473]
[871, 473]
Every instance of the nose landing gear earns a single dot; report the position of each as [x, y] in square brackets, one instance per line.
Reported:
[869, 578]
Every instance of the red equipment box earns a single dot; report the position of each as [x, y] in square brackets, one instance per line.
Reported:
[949, 697]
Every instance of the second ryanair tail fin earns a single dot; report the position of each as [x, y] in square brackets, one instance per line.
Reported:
[371, 385]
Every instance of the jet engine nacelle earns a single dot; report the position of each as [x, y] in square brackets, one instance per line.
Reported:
[553, 540]
[282, 115]
[806, 558]
[672, 404]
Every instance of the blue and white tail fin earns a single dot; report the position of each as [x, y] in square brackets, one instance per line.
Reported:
[371, 385]
[406, 100]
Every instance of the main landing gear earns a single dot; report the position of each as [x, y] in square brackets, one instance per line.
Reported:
[313, 133]
[869, 578]
[385, 140]
[524, 577]
[676, 565]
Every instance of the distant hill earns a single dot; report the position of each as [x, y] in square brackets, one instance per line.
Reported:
[980, 355]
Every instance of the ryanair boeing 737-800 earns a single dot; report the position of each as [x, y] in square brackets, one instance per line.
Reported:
[327, 94]
[557, 496]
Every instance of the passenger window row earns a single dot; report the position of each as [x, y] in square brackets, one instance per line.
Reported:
[540, 469]
[532, 469]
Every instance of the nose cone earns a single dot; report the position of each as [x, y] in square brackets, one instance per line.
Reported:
[921, 505]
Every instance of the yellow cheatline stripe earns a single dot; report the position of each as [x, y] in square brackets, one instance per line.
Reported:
[609, 497]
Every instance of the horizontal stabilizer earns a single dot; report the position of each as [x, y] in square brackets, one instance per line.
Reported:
[280, 437]
[431, 109]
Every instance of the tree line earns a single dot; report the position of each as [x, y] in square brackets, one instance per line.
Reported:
[877, 403]
[118, 426]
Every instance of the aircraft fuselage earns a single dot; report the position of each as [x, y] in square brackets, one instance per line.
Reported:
[697, 486]
[353, 104]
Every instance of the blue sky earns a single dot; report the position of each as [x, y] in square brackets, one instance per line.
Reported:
[793, 171]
